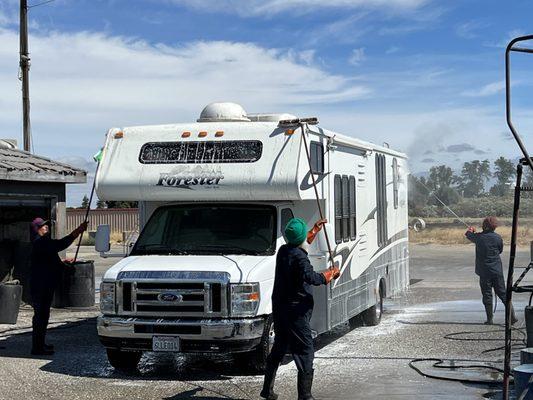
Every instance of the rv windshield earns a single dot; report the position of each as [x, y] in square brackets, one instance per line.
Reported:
[209, 230]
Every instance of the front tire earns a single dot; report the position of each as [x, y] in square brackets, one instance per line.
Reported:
[123, 360]
[257, 358]
[372, 315]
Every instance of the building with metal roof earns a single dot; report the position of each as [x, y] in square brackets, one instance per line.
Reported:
[30, 186]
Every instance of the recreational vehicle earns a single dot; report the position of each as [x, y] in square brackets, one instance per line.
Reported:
[214, 197]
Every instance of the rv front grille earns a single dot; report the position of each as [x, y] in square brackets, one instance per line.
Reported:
[162, 298]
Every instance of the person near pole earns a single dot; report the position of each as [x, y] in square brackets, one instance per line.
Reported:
[46, 270]
[489, 246]
[292, 307]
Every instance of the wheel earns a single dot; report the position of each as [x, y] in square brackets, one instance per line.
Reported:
[257, 358]
[123, 360]
[372, 315]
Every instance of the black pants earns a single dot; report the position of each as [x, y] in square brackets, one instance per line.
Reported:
[293, 334]
[42, 301]
[489, 282]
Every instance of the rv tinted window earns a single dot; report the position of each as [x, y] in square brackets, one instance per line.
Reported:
[395, 177]
[230, 151]
[352, 209]
[338, 209]
[345, 209]
[317, 157]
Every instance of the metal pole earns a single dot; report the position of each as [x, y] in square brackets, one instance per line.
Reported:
[25, 70]
[87, 212]
[316, 190]
[509, 289]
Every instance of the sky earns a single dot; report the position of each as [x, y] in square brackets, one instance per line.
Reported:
[425, 76]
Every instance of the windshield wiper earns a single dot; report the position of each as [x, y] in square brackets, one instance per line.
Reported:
[158, 248]
[222, 249]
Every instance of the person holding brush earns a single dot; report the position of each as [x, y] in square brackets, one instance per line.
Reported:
[489, 246]
[46, 268]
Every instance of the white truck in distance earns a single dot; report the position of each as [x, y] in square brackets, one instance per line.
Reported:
[214, 197]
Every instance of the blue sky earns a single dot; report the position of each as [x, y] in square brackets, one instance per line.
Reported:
[425, 76]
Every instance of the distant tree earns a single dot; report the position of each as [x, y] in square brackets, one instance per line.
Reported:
[418, 194]
[440, 182]
[504, 174]
[122, 204]
[474, 176]
[100, 204]
[84, 202]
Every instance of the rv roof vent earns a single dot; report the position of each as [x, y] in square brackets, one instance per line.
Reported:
[8, 143]
[270, 117]
[222, 112]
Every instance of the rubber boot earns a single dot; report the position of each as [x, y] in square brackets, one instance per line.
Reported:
[305, 383]
[490, 314]
[268, 385]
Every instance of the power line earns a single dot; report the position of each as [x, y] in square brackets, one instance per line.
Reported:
[41, 4]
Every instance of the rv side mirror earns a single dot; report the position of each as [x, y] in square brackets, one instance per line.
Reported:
[321, 238]
[103, 235]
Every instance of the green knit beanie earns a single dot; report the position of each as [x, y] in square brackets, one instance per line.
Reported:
[296, 231]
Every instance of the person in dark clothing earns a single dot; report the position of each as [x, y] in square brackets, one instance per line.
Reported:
[46, 270]
[292, 307]
[489, 246]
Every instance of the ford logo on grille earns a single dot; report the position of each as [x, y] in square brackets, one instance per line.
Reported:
[170, 297]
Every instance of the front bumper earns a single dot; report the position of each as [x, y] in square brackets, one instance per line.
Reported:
[197, 335]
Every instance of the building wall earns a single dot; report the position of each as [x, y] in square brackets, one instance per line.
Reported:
[120, 219]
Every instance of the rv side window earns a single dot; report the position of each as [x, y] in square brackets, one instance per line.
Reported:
[353, 229]
[381, 199]
[345, 209]
[317, 157]
[286, 216]
[395, 181]
[338, 209]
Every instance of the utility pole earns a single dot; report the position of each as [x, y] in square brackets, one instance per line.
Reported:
[25, 74]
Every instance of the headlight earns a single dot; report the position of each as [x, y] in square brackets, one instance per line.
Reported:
[244, 299]
[107, 297]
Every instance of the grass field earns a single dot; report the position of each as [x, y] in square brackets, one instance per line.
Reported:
[452, 231]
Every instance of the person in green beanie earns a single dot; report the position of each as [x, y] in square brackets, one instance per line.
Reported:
[292, 307]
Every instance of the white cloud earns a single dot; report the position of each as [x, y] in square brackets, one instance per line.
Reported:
[271, 7]
[487, 90]
[357, 56]
[84, 83]
[470, 29]
[392, 50]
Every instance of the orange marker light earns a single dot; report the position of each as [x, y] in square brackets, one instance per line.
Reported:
[253, 296]
[186, 134]
[119, 135]
[202, 134]
[289, 131]
[219, 133]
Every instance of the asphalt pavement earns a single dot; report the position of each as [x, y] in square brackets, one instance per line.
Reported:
[439, 317]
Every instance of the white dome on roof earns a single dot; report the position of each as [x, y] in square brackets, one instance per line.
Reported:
[223, 112]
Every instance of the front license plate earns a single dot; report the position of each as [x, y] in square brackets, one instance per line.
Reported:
[166, 343]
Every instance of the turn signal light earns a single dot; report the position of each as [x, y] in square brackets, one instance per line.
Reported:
[186, 134]
[219, 134]
[289, 131]
[119, 135]
[202, 134]
[253, 296]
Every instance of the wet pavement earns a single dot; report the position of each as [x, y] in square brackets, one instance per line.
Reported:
[440, 317]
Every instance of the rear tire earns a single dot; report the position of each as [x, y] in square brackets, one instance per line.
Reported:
[372, 315]
[123, 360]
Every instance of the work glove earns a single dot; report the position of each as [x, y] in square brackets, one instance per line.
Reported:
[331, 273]
[315, 229]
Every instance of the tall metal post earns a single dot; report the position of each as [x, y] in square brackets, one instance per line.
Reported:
[509, 291]
[25, 74]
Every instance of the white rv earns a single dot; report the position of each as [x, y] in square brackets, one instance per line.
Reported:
[214, 197]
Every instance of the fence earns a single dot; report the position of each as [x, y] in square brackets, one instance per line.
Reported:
[119, 219]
